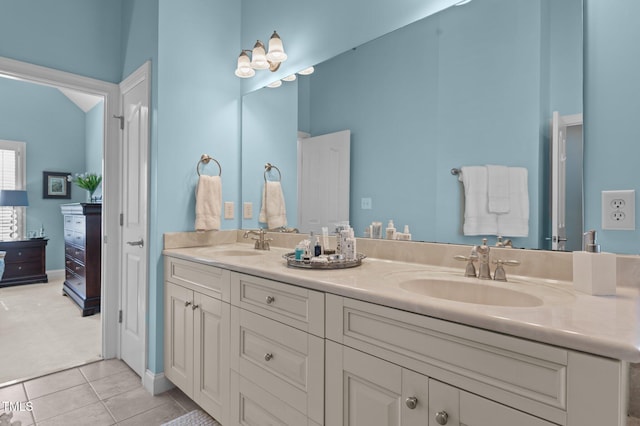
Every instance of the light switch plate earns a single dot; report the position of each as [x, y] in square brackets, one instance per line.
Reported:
[228, 210]
[365, 203]
[247, 210]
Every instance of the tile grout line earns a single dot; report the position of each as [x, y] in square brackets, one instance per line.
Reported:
[24, 389]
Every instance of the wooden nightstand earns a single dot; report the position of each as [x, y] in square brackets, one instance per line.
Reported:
[25, 262]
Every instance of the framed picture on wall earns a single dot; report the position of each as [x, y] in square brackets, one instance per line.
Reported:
[56, 185]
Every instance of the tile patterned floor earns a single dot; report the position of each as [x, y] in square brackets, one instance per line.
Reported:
[102, 393]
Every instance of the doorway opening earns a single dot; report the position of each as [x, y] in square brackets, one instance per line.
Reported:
[45, 297]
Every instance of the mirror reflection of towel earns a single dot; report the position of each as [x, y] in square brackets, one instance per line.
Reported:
[273, 211]
[208, 203]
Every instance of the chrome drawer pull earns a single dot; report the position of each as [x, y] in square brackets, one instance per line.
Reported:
[270, 300]
[187, 303]
[411, 402]
[268, 356]
[194, 307]
[442, 417]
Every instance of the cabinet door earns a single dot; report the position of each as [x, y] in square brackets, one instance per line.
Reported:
[362, 390]
[455, 407]
[211, 355]
[178, 337]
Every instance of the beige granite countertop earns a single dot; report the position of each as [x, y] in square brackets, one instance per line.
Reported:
[607, 326]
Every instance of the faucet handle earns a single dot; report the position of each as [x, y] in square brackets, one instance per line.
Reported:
[470, 269]
[500, 274]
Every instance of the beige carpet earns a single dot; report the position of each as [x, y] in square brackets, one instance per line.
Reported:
[42, 331]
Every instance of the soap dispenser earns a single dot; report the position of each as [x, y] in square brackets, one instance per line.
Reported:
[391, 230]
[594, 272]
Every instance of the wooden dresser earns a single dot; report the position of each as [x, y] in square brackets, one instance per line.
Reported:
[82, 248]
[25, 262]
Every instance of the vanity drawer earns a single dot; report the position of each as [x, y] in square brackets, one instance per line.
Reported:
[253, 405]
[525, 375]
[296, 306]
[206, 279]
[287, 361]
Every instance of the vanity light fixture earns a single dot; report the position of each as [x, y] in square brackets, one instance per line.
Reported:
[275, 84]
[260, 59]
[291, 77]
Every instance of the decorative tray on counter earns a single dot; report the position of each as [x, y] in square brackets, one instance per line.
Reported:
[333, 262]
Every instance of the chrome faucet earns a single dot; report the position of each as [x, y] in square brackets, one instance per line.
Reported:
[484, 267]
[481, 254]
[262, 243]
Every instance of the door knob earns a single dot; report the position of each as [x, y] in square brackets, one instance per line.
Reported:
[442, 417]
[139, 243]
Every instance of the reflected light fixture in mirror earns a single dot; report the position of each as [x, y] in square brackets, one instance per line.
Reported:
[291, 77]
[260, 59]
[275, 84]
[307, 71]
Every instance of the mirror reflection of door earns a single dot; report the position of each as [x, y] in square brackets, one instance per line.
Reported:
[567, 215]
[323, 180]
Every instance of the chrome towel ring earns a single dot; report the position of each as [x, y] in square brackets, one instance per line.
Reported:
[204, 159]
[267, 169]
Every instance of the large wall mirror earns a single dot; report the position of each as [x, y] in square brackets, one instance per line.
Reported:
[474, 84]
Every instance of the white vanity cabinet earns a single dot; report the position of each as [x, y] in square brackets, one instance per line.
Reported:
[378, 358]
[277, 353]
[196, 333]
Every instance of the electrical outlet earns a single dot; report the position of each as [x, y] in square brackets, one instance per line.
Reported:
[365, 203]
[247, 210]
[228, 210]
[619, 210]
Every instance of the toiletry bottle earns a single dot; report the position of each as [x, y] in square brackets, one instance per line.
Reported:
[391, 230]
[594, 272]
[317, 248]
[299, 250]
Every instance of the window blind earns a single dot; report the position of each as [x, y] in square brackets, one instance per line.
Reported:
[9, 165]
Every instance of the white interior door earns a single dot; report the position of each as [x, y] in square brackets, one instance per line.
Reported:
[558, 182]
[133, 220]
[323, 180]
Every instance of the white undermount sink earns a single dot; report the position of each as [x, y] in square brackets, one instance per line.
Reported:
[517, 292]
[252, 252]
[471, 292]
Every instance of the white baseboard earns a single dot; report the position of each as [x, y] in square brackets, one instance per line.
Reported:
[57, 274]
[156, 384]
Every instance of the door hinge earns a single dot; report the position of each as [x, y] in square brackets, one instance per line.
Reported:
[121, 219]
[121, 118]
[120, 316]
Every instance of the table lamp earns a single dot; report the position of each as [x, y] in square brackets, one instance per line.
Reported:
[13, 198]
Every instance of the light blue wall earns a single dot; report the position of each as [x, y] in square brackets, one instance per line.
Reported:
[79, 36]
[52, 127]
[198, 112]
[94, 130]
[269, 136]
[612, 108]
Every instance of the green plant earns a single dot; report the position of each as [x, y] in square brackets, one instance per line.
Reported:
[88, 181]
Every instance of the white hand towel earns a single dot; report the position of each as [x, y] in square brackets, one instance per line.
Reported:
[498, 188]
[208, 203]
[516, 222]
[477, 219]
[273, 211]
